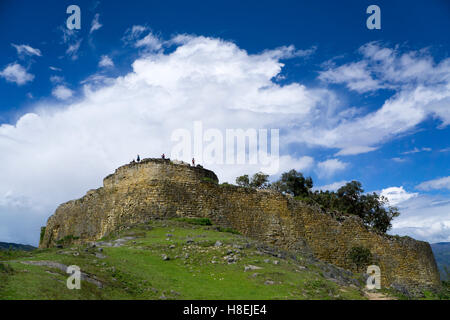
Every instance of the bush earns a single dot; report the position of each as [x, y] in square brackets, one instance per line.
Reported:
[230, 230]
[42, 234]
[5, 268]
[360, 256]
[208, 179]
[196, 221]
[67, 240]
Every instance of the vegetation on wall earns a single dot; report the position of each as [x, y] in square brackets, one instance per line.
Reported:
[372, 208]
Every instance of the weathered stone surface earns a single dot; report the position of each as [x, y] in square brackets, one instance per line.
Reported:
[156, 188]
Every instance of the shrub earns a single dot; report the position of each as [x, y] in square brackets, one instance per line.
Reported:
[5, 268]
[208, 179]
[67, 240]
[230, 230]
[360, 256]
[42, 234]
[197, 221]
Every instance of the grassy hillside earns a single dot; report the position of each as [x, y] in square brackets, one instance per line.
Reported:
[173, 260]
[176, 259]
[441, 252]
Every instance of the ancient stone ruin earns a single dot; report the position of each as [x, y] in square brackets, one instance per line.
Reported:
[160, 188]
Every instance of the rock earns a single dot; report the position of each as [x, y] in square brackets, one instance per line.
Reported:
[76, 254]
[269, 282]
[175, 292]
[266, 260]
[189, 241]
[165, 257]
[172, 246]
[255, 275]
[218, 243]
[100, 256]
[100, 249]
[251, 267]
[276, 262]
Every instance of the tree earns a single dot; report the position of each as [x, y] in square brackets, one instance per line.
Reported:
[295, 183]
[243, 181]
[349, 198]
[260, 181]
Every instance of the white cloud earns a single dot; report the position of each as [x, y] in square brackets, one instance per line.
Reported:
[60, 151]
[436, 184]
[150, 42]
[421, 90]
[355, 75]
[106, 61]
[72, 50]
[329, 167]
[56, 79]
[417, 150]
[54, 68]
[95, 25]
[14, 72]
[397, 195]
[62, 92]
[332, 186]
[27, 50]
[424, 218]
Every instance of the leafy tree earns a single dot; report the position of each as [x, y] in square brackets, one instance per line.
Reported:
[295, 183]
[260, 181]
[243, 181]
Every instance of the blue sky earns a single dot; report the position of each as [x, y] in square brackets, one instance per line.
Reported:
[351, 103]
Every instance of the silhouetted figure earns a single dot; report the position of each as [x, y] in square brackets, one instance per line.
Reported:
[163, 156]
[193, 162]
[138, 159]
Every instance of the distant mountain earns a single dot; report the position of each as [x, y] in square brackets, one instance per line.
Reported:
[15, 246]
[441, 252]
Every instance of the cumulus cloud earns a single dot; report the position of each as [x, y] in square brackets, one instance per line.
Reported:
[14, 72]
[25, 49]
[397, 195]
[62, 92]
[329, 167]
[58, 152]
[420, 86]
[436, 184]
[424, 218]
[106, 61]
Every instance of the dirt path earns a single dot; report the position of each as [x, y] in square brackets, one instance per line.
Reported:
[377, 296]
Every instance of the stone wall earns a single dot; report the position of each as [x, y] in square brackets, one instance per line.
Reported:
[156, 188]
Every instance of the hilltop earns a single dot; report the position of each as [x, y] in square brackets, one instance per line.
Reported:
[15, 246]
[155, 189]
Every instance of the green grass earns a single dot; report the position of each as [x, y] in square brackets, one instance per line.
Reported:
[196, 269]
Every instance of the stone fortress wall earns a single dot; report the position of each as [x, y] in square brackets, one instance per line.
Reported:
[157, 188]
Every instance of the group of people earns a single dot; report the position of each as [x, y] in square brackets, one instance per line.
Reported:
[163, 156]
